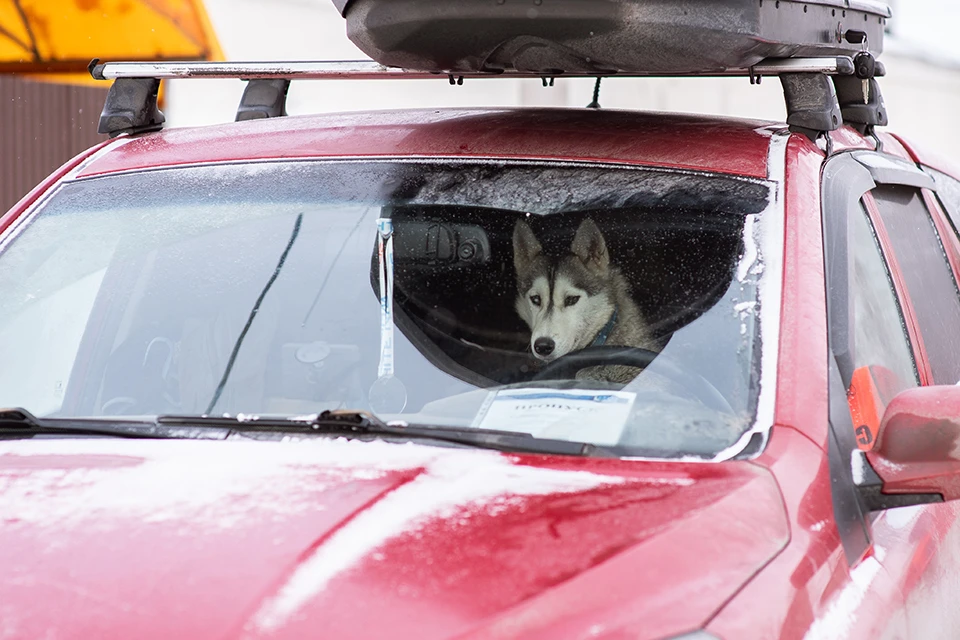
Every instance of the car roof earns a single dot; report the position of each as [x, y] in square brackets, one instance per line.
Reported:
[733, 146]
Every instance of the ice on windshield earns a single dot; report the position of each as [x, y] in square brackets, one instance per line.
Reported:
[602, 304]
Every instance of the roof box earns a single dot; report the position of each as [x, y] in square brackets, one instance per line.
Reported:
[601, 37]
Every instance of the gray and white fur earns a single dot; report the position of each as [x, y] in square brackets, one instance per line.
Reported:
[568, 302]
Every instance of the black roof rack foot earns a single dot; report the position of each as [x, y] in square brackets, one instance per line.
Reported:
[263, 98]
[812, 106]
[131, 107]
[857, 113]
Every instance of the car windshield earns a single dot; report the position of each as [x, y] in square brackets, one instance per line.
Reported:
[595, 303]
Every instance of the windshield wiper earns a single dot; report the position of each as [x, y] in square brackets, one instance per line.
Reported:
[360, 423]
[18, 422]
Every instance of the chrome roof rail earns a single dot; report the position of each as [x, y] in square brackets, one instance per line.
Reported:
[370, 70]
[131, 105]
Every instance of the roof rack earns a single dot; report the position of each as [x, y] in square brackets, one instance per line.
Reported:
[370, 70]
[811, 97]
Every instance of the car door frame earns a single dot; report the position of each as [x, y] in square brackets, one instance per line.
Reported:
[903, 534]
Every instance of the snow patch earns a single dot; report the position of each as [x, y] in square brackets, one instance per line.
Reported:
[857, 467]
[771, 238]
[751, 253]
[450, 484]
[763, 260]
[902, 517]
[841, 612]
[54, 484]
[210, 484]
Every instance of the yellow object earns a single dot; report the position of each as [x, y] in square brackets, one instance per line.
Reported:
[57, 37]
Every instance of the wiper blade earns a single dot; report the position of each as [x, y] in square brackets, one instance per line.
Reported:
[360, 423]
[19, 422]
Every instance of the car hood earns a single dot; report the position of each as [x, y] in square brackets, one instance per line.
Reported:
[348, 539]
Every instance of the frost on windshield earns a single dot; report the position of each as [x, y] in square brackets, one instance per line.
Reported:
[610, 305]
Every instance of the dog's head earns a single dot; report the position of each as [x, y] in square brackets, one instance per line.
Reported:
[565, 302]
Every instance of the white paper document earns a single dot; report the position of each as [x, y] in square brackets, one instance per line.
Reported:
[564, 414]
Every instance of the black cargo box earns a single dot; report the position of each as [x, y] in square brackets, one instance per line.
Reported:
[551, 37]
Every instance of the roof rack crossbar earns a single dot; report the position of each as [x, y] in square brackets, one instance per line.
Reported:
[131, 106]
[370, 70]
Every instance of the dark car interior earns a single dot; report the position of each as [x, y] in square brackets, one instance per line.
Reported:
[456, 286]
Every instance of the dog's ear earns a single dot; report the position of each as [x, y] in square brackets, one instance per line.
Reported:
[526, 247]
[591, 248]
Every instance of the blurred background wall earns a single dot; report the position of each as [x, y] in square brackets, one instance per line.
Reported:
[42, 125]
[922, 88]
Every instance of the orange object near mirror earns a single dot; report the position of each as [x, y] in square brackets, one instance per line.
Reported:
[866, 408]
[871, 389]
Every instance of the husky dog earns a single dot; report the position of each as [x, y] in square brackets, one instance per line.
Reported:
[576, 301]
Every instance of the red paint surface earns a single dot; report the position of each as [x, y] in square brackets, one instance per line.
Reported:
[893, 145]
[927, 157]
[802, 374]
[921, 546]
[848, 139]
[782, 599]
[811, 584]
[689, 142]
[533, 566]
[750, 549]
[7, 219]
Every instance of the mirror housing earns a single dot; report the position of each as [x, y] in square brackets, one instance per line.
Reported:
[917, 450]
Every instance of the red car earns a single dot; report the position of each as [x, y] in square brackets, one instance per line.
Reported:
[531, 373]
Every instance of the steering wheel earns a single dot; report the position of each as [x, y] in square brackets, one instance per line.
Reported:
[566, 367]
[118, 406]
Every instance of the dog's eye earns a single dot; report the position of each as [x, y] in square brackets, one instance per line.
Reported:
[569, 301]
[535, 300]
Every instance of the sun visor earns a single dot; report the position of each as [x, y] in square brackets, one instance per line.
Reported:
[552, 37]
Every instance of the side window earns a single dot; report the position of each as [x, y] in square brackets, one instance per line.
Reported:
[927, 275]
[881, 345]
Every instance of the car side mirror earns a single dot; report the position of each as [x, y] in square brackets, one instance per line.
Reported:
[917, 451]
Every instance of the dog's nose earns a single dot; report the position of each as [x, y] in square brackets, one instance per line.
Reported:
[544, 346]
